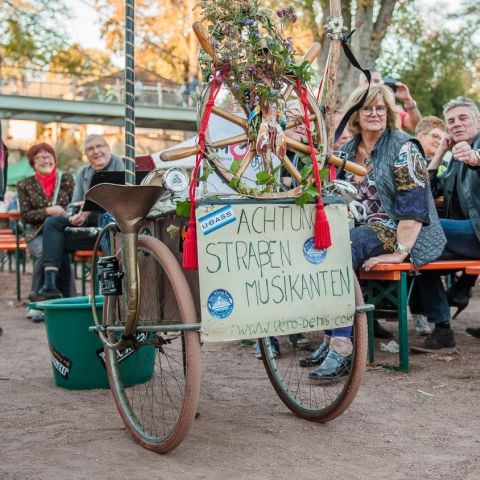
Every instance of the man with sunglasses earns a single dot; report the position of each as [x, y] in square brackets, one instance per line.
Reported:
[460, 188]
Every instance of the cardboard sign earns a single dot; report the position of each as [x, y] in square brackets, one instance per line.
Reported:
[260, 274]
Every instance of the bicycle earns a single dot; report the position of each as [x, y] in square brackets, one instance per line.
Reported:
[159, 320]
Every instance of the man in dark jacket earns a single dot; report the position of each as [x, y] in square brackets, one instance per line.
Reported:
[57, 239]
[460, 188]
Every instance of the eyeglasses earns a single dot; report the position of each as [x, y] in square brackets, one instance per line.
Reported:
[436, 136]
[380, 110]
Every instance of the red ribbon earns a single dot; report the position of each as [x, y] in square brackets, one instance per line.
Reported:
[190, 254]
[322, 238]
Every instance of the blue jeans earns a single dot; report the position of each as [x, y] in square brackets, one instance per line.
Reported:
[461, 243]
[365, 244]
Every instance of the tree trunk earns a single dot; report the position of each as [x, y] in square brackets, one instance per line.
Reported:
[370, 30]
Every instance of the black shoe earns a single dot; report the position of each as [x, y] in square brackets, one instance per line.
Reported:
[460, 293]
[440, 338]
[474, 332]
[332, 368]
[45, 294]
[316, 358]
[380, 332]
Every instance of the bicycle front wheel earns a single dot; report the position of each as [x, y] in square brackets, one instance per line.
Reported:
[158, 409]
[290, 379]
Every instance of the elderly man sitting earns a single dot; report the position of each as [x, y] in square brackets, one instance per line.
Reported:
[460, 187]
[56, 239]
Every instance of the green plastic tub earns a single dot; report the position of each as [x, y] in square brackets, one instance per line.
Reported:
[77, 355]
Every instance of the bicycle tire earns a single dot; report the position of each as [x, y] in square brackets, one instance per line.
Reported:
[159, 412]
[291, 381]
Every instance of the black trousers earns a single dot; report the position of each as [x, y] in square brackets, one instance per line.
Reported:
[57, 241]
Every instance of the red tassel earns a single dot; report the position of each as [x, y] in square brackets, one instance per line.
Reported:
[190, 254]
[322, 238]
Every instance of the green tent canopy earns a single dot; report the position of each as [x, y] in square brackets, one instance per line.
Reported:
[18, 171]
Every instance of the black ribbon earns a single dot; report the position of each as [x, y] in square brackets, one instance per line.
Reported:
[351, 58]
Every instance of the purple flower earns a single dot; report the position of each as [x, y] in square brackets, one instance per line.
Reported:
[249, 21]
[281, 12]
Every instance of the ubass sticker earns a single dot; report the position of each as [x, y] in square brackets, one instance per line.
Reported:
[220, 303]
[217, 219]
[312, 254]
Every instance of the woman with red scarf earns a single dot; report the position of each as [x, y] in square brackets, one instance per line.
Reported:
[44, 194]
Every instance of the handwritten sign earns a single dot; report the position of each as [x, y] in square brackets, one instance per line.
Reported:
[260, 274]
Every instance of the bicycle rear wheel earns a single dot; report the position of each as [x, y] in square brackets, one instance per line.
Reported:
[304, 397]
[160, 409]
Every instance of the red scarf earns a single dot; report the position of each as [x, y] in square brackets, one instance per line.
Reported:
[48, 182]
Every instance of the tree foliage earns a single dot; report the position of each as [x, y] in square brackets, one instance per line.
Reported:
[436, 63]
[164, 40]
[30, 31]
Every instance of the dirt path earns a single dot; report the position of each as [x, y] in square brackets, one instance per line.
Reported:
[422, 425]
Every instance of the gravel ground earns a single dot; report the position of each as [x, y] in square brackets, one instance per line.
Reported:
[421, 425]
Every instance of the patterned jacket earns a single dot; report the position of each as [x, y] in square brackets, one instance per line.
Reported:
[431, 240]
[33, 202]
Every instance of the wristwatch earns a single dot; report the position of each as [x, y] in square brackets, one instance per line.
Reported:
[402, 248]
[413, 106]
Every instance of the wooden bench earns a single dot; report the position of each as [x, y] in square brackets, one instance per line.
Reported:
[397, 292]
[11, 245]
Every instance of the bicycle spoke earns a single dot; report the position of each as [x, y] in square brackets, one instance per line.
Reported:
[241, 122]
[291, 169]
[250, 155]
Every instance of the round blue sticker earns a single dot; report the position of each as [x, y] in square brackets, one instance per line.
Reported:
[312, 254]
[220, 303]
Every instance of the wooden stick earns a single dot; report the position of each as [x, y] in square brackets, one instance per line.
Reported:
[291, 169]
[332, 78]
[349, 166]
[204, 39]
[331, 159]
[241, 122]
[294, 123]
[179, 153]
[309, 56]
[245, 163]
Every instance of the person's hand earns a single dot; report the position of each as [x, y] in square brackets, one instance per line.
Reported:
[402, 93]
[395, 257]
[79, 218]
[463, 152]
[445, 145]
[55, 211]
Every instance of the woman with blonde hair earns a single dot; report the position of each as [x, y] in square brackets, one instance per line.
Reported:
[395, 216]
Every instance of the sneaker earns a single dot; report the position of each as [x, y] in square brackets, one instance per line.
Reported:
[334, 366]
[274, 347]
[45, 294]
[380, 332]
[420, 324]
[474, 332]
[316, 358]
[440, 338]
[35, 316]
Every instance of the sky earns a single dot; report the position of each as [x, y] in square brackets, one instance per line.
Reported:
[85, 24]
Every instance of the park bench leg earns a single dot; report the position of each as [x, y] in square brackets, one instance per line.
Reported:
[370, 317]
[84, 278]
[402, 300]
